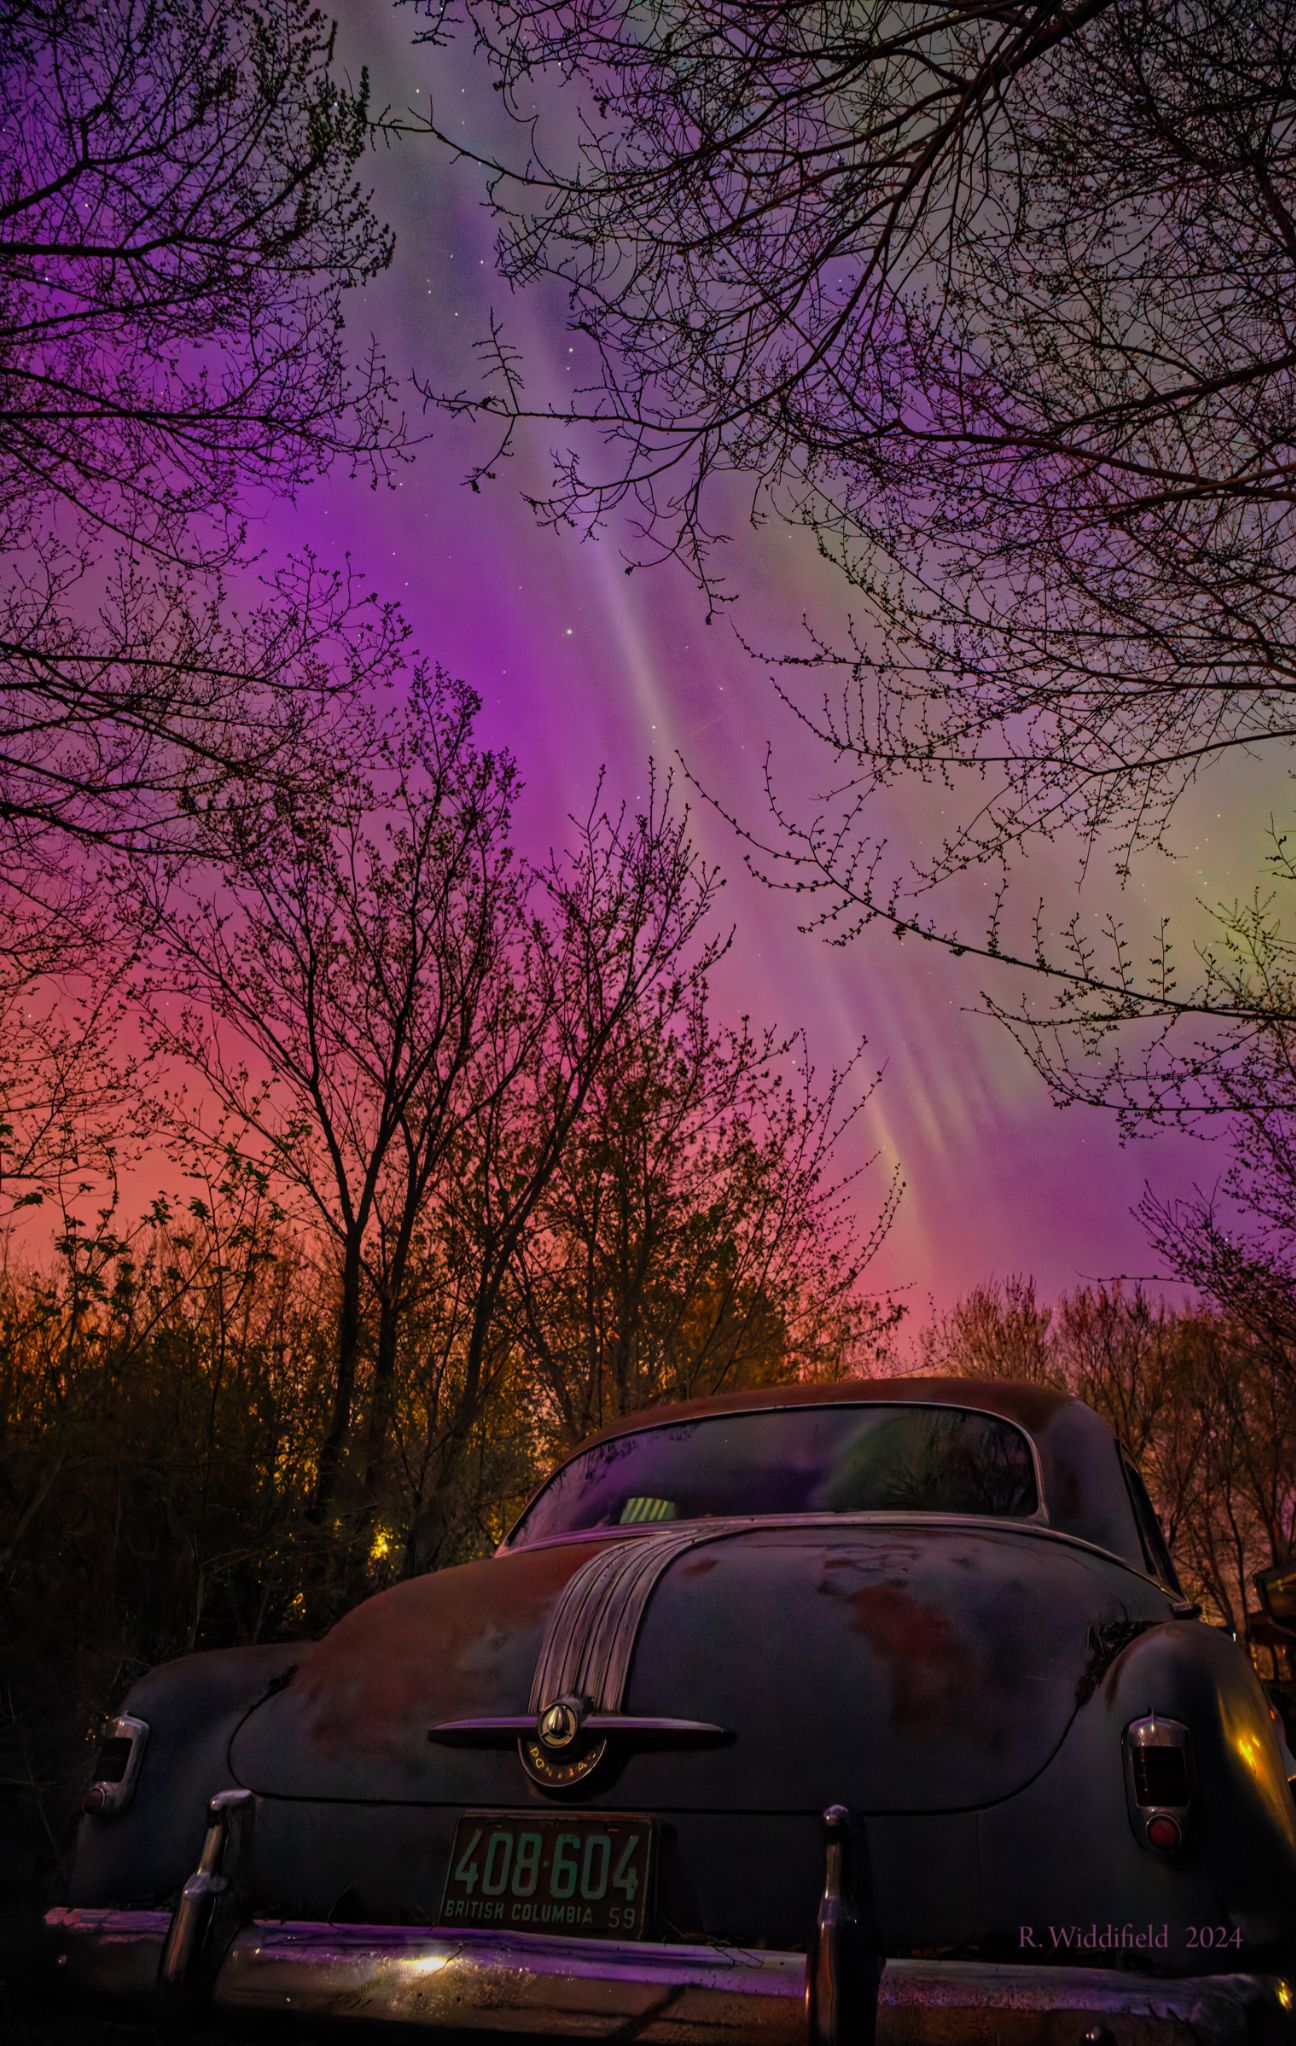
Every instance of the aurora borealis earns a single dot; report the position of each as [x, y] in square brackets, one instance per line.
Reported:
[582, 668]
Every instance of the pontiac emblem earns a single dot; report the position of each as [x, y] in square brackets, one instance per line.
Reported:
[557, 1755]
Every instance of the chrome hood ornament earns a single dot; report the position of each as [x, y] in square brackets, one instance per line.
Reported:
[559, 1724]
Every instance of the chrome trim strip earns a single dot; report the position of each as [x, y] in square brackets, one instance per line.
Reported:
[497, 1732]
[663, 1995]
[590, 1639]
[647, 1726]
[501, 1733]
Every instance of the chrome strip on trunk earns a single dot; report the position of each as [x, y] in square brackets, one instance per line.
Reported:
[595, 1623]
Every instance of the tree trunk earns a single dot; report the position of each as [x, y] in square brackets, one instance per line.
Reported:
[381, 1411]
[327, 1479]
[429, 1528]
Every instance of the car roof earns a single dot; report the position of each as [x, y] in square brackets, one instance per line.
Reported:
[1083, 1484]
[1030, 1406]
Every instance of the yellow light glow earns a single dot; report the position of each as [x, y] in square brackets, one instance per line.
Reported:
[1253, 1741]
[381, 1546]
[1285, 1995]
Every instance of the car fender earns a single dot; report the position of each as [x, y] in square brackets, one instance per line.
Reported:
[1065, 1852]
[192, 1707]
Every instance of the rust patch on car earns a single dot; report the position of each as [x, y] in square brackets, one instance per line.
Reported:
[702, 1566]
[1104, 1647]
[929, 1661]
[439, 1647]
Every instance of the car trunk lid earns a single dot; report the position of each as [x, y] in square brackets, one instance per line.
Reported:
[891, 1663]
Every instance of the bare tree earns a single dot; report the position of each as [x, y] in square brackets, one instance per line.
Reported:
[125, 749]
[402, 1023]
[68, 1097]
[695, 1234]
[355, 944]
[179, 222]
[990, 299]
[623, 923]
[998, 1330]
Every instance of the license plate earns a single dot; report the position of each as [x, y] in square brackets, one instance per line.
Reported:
[545, 1872]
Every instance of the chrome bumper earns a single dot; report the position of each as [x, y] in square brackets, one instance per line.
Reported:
[660, 1995]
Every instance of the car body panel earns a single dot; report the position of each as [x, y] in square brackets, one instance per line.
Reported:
[962, 1649]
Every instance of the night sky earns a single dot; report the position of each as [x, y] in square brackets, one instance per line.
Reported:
[581, 667]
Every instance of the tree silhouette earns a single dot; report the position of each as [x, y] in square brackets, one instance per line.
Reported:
[358, 946]
[401, 1023]
[695, 1233]
[179, 221]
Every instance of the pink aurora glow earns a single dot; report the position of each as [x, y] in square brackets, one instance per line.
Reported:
[582, 669]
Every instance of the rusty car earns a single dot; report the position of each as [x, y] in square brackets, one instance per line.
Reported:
[860, 1711]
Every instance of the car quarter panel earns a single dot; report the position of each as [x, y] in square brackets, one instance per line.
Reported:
[191, 1706]
[1063, 1853]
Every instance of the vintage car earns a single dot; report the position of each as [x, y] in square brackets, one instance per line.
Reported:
[850, 1712]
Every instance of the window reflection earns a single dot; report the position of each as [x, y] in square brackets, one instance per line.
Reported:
[825, 1459]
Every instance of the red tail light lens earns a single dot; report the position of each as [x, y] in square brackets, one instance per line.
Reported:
[1159, 1781]
[1164, 1833]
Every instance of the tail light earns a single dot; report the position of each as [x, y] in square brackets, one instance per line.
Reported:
[1159, 1781]
[117, 1765]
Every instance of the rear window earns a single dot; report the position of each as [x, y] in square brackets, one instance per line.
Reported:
[883, 1458]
